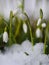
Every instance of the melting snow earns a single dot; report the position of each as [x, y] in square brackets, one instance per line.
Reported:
[15, 55]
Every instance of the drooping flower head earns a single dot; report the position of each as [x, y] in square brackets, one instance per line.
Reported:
[38, 33]
[43, 25]
[24, 27]
[5, 36]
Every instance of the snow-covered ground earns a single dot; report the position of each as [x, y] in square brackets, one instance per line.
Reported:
[24, 54]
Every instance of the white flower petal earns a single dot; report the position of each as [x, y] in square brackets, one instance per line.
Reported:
[19, 14]
[39, 21]
[38, 33]
[43, 25]
[22, 16]
[5, 37]
[25, 28]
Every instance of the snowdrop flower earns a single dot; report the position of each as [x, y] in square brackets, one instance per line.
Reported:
[22, 16]
[39, 21]
[18, 9]
[5, 36]
[43, 25]
[38, 33]
[25, 28]
[19, 14]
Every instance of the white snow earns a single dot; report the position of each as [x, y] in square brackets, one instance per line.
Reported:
[27, 47]
[15, 55]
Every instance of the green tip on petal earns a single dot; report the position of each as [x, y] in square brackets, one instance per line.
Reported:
[41, 13]
[11, 14]
[5, 29]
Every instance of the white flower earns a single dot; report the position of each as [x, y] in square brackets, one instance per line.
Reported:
[39, 21]
[19, 14]
[43, 25]
[22, 16]
[25, 28]
[38, 33]
[5, 37]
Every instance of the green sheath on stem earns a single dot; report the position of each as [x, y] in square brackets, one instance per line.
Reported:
[45, 44]
[45, 40]
[18, 28]
[29, 28]
[10, 28]
[22, 5]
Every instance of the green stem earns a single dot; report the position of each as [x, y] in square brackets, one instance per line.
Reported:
[31, 33]
[45, 44]
[18, 28]
[29, 28]
[10, 29]
[22, 5]
[45, 39]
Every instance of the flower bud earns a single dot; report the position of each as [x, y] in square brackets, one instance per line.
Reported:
[39, 22]
[25, 28]
[38, 33]
[5, 36]
[43, 25]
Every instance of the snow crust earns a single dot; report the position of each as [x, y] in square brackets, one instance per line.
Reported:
[24, 54]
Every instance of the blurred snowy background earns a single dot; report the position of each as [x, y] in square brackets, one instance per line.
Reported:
[31, 7]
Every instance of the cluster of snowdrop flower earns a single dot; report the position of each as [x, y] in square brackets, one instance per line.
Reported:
[25, 54]
[40, 24]
[38, 30]
[21, 16]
